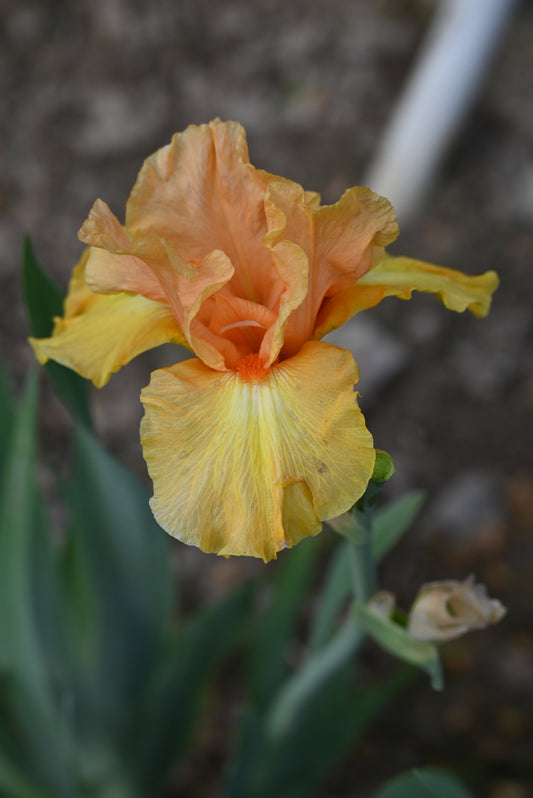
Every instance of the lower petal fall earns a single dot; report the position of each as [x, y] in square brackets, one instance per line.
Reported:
[249, 468]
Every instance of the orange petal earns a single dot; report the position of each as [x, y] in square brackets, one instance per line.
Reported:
[248, 468]
[240, 321]
[100, 333]
[289, 260]
[337, 239]
[113, 266]
[345, 231]
[185, 296]
[337, 309]
[230, 312]
[200, 193]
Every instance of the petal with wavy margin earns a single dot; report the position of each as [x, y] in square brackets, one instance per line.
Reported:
[113, 265]
[99, 333]
[458, 291]
[201, 193]
[400, 277]
[249, 468]
[337, 239]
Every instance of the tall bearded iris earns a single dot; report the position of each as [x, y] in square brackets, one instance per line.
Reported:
[257, 440]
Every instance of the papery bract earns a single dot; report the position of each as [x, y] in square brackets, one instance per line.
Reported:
[259, 439]
[445, 610]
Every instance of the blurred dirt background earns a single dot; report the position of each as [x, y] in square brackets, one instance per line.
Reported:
[89, 88]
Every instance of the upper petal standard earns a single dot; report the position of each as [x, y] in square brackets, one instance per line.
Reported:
[251, 467]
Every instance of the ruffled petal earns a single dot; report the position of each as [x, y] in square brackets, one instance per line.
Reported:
[100, 333]
[186, 291]
[113, 265]
[248, 468]
[149, 265]
[400, 277]
[346, 232]
[291, 263]
[201, 193]
[338, 241]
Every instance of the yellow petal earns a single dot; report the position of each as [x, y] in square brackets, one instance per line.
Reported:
[312, 198]
[248, 468]
[458, 291]
[100, 333]
[400, 277]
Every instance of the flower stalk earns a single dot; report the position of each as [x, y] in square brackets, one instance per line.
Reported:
[356, 527]
[363, 568]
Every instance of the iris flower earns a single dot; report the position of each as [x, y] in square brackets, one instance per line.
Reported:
[258, 439]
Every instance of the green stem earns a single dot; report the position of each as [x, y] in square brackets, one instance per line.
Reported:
[357, 528]
[363, 570]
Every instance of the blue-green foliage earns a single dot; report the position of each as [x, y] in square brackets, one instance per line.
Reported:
[302, 720]
[100, 686]
[427, 783]
[101, 680]
[44, 301]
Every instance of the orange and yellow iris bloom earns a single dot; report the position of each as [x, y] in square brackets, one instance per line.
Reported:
[256, 441]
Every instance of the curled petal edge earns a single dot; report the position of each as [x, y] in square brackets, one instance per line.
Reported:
[399, 276]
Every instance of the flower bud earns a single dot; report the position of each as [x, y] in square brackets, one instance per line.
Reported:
[446, 610]
[383, 467]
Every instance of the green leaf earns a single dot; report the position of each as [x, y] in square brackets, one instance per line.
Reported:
[44, 301]
[292, 766]
[308, 680]
[172, 700]
[7, 415]
[393, 521]
[388, 526]
[427, 783]
[119, 565]
[18, 640]
[27, 702]
[15, 781]
[337, 588]
[43, 298]
[82, 605]
[112, 510]
[394, 639]
[268, 660]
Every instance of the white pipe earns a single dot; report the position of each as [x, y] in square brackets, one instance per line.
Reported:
[440, 91]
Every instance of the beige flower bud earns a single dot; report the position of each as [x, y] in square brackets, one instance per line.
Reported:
[446, 610]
